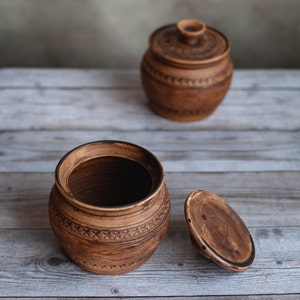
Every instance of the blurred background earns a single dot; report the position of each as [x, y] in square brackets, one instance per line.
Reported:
[114, 33]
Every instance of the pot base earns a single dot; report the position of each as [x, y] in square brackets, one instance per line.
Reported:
[179, 116]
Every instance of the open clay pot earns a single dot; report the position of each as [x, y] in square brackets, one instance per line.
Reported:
[186, 71]
[109, 207]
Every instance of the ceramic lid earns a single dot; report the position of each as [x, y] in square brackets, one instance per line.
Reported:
[189, 42]
[218, 232]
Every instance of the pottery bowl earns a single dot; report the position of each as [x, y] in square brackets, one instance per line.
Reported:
[109, 207]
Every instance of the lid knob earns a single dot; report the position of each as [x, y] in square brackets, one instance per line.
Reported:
[191, 30]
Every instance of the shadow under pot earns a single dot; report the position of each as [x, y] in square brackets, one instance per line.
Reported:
[186, 71]
[109, 207]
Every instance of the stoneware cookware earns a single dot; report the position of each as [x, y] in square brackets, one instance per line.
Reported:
[217, 232]
[109, 207]
[186, 71]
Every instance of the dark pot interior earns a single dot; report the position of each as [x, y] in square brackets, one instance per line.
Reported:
[110, 181]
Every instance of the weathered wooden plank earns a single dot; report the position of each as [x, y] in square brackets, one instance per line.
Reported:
[39, 109]
[266, 79]
[179, 151]
[24, 200]
[36, 267]
[248, 152]
[232, 297]
[261, 199]
[87, 78]
[68, 78]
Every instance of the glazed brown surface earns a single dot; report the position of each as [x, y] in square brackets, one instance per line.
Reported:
[187, 70]
[109, 208]
[218, 232]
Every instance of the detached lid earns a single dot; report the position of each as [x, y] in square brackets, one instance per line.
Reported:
[189, 42]
[218, 232]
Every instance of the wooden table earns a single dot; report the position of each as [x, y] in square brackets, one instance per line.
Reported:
[247, 152]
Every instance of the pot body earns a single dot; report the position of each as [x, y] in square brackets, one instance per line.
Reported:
[108, 238]
[183, 93]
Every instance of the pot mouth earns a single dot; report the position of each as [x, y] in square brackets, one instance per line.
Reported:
[109, 175]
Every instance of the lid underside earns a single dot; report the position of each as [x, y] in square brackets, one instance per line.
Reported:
[218, 232]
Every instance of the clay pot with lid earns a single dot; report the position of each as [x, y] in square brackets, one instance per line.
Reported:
[186, 71]
[109, 207]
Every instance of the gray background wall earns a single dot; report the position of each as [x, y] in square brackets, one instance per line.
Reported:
[114, 33]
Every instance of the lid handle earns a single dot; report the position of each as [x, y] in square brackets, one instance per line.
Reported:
[191, 30]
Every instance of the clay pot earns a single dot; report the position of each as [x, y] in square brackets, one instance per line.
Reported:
[109, 207]
[187, 70]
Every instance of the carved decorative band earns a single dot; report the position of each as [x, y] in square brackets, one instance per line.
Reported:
[186, 82]
[106, 267]
[109, 235]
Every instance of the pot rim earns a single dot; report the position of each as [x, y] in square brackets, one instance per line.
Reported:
[98, 208]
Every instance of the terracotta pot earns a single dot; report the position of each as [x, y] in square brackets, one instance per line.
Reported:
[187, 70]
[109, 207]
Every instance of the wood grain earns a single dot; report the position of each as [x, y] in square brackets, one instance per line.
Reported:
[36, 263]
[274, 197]
[247, 152]
[103, 109]
[17, 78]
[178, 151]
